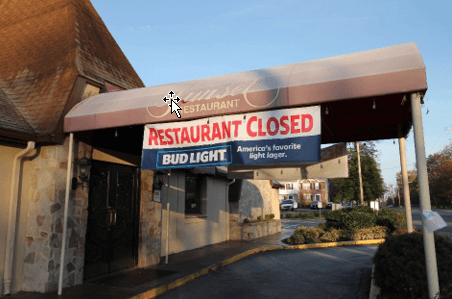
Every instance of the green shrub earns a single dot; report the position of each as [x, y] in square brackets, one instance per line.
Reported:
[361, 234]
[333, 215]
[391, 218]
[246, 220]
[309, 232]
[323, 226]
[355, 220]
[344, 234]
[309, 215]
[297, 239]
[331, 236]
[289, 216]
[259, 218]
[400, 266]
[269, 216]
[364, 209]
[379, 232]
[299, 215]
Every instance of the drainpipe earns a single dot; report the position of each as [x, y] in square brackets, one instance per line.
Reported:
[167, 218]
[11, 230]
[66, 205]
[227, 208]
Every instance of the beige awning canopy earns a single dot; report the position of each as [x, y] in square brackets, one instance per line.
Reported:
[363, 96]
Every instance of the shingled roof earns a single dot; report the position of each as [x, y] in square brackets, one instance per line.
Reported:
[44, 47]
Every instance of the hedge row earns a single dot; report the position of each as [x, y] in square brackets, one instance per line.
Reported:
[400, 266]
[328, 234]
[365, 217]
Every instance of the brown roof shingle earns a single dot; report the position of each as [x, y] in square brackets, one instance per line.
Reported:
[44, 47]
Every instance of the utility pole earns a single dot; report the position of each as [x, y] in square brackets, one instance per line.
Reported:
[359, 171]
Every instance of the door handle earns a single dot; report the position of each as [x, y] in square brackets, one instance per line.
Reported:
[109, 218]
[114, 221]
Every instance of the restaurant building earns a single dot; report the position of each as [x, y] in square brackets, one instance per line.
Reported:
[54, 55]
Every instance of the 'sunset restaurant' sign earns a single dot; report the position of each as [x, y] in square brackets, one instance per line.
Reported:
[286, 135]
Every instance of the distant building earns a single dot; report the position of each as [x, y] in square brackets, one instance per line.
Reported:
[305, 191]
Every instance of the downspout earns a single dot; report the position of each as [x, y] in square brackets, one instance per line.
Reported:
[11, 230]
[227, 208]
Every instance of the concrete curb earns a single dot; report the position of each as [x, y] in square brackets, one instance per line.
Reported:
[181, 281]
[374, 289]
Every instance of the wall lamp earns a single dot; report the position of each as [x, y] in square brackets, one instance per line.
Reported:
[158, 179]
[84, 165]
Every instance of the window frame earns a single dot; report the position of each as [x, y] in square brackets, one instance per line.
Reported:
[200, 196]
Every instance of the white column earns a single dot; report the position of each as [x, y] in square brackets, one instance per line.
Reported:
[359, 172]
[406, 189]
[424, 195]
[66, 205]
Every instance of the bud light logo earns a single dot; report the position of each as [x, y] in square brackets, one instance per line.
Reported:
[218, 155]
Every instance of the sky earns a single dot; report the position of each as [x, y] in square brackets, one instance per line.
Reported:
[174, 41]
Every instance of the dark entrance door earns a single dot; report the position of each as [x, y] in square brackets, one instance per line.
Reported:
[112, 233]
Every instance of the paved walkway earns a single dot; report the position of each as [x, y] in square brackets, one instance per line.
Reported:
[188, 265]
[185, 263]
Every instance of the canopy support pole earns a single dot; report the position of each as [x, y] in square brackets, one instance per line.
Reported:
[66, 204]
[359, 172]
[424, 195]
[406, 189]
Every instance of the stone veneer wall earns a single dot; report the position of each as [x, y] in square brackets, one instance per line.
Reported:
[256, 199]
[44, 228]
[150, 223]
[251, 231]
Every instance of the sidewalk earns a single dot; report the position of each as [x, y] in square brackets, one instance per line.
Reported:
[185, 264]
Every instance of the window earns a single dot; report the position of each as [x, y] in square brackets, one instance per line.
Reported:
[307, 197]
[289, 186]
[317, 197]
[195, 191]
[306, 186]
[317, 186]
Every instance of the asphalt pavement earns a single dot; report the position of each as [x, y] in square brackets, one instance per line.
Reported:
[313, 273]
[445, 214]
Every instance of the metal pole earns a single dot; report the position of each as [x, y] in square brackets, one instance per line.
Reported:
[227, 208]
[359, 171]
[424, 195]
[167, 219]
[66, 205]
[406, 188]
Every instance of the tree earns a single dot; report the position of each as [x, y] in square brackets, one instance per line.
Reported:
[439, 168]
[347, 189]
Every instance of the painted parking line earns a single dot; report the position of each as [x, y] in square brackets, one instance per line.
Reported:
[312, 252]
[353, 250]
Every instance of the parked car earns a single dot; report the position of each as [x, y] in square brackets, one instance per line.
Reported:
[289, 204]
[347, 204]
[329, 205]
[390, 206]
[316, 205]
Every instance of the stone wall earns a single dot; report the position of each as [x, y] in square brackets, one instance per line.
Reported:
[256, 199]
[45, 214]
[251, 231]
[150, 223]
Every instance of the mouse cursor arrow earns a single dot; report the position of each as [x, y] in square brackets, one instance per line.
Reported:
[175, 108]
